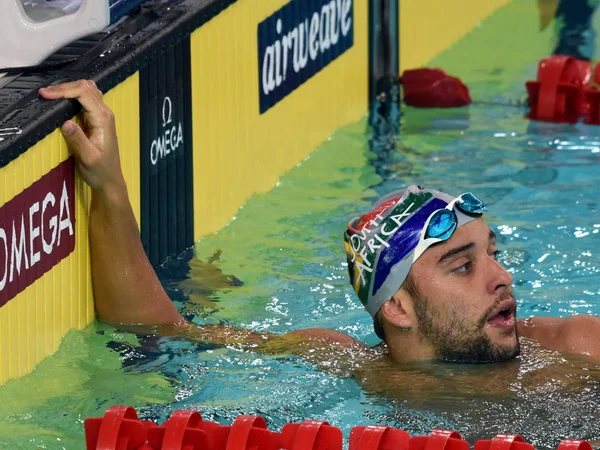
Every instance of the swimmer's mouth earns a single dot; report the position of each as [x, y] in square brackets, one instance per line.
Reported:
[503, 316]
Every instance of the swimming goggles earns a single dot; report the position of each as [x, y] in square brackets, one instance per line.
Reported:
[442, 223]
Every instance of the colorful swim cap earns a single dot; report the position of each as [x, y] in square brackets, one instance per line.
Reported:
[380, 245]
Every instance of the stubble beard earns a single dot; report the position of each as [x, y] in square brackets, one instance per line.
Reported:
[458, 341]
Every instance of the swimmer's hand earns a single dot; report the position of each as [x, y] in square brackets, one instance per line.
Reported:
[95, 145]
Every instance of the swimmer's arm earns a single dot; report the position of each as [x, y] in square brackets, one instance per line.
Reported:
[126, 289]
[579, 334]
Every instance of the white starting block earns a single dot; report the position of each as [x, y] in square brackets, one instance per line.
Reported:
[31, 30]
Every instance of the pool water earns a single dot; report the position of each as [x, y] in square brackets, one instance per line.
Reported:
[280, 266]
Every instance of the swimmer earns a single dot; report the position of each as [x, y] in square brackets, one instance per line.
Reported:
[423, 263]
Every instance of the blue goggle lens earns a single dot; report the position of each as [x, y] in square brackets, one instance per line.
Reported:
[470, 204]
[442, 225]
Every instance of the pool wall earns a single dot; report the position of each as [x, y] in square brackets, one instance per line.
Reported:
[428, 27]
[190, 161]
[257, 108]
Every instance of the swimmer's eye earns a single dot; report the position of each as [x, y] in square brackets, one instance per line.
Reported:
[496, 254]
[464, 268]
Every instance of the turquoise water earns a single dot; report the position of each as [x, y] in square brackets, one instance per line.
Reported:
[280, 266]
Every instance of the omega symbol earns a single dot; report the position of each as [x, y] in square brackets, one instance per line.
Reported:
[167, 111]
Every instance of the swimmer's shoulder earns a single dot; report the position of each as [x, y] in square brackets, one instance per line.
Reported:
[578, 334]
[545, 330]
[533, 326]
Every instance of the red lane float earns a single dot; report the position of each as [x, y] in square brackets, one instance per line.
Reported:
[564, 91]
[251, 432]
[592, 100]
[574, 445]
[504, 442]
[311, 435]
[378, 438]
[120, 429]
[557, 94]
[433, 88]
[439, 440]
[183, 430]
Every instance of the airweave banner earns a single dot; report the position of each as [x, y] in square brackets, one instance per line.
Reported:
[299, 40]
[37, 230]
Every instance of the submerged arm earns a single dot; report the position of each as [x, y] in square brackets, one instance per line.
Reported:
[329, 350]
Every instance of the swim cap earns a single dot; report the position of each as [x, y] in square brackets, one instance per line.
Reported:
[380, 244]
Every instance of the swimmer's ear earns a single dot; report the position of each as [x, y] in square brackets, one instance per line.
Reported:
[399, 311]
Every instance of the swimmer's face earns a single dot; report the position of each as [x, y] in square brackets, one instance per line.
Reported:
[466, 308]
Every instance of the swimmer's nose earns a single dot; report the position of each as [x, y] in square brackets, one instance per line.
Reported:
[499, 277]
